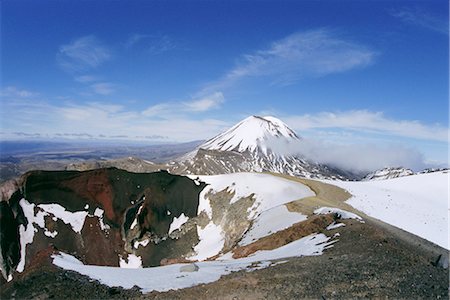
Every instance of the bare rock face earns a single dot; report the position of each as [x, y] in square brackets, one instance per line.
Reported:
[232, 217]
[100, 216]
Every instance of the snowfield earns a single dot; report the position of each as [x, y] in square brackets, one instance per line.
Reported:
[169, 277]
[415, 203]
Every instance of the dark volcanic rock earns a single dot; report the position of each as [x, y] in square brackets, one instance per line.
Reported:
[117, 209]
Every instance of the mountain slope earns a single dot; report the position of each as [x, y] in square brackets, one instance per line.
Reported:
[249, 147]
[388, 173]
[251, 134]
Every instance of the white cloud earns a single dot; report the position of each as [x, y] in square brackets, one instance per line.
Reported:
[197, 105]
[419, 17]
[357, 150]
[83, 54]
[134, 39]
[103, 88]
[302, 54]
[105, 120]
[205, 103]
[369, 122]
[86, 78]
[89, 111]
[15, 92]
[153, 43]
[161, 109]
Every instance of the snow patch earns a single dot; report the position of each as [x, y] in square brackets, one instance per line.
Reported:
[99, 214]
[211, 241]
[142, 243]
[74, 219]
[50, 233]
[135, 221]
[26, 234]
[134, 262]
[343, 214]
[335, 225]
[178, 222]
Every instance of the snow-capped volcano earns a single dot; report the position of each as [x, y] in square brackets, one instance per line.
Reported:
[252, 146]
[251, 134]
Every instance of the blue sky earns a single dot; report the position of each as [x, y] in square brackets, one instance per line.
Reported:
[358, 72]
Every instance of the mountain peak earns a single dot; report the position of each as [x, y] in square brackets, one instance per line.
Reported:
[251, 134]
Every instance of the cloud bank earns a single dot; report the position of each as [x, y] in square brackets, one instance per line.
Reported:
[356, 158]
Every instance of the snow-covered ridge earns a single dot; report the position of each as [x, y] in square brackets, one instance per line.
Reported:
[251, 134]
[388, 173]
[396, 172]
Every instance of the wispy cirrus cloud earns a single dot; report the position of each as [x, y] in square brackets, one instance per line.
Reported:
[160, 109]
[196, 105]
[419, 17]
[15, 92]
[364, 121]
[83, 54]
[312, 53]
[86, 78]
[205, 103]
[103, 88]
[153, 43]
